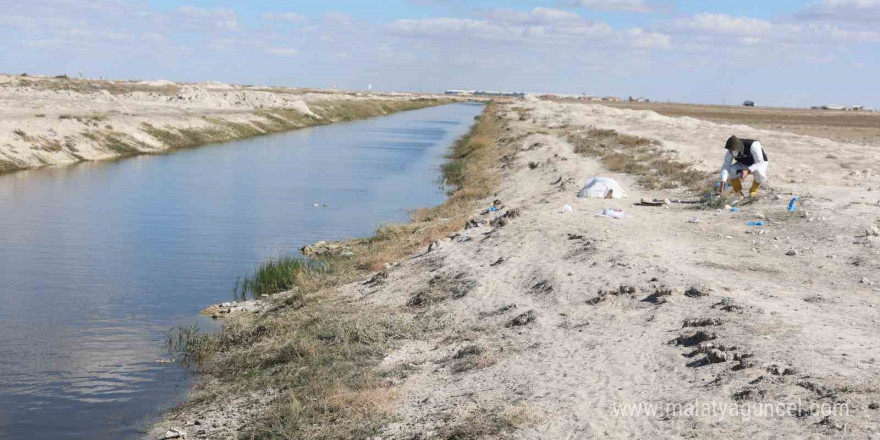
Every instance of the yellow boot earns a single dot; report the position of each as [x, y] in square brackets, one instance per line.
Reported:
[753, 191]
[737, 186]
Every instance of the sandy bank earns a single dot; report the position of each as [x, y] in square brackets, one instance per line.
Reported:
[534, 323]
[58, 121]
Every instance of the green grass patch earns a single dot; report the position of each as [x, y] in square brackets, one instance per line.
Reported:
[275, 276]
[655, 167]
[321, 348]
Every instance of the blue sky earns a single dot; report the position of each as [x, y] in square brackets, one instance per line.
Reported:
[784, 52]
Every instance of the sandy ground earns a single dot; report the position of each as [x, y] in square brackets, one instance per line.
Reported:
[59, 121]
[581, 324]
[844, 126]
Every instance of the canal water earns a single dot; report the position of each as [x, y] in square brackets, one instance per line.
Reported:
[99, 260]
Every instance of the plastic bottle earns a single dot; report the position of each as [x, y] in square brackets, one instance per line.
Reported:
[792, 205]
[756, 223]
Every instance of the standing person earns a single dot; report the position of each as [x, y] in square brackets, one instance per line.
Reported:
[744, 157]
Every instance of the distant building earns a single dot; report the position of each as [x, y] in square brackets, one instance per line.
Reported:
[749, 103]
[460, 92]
[612, 99]
[500, 94]
[833, 107]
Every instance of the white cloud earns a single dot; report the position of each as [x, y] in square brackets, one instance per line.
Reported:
[219, 17]
[338, 18]
[539, 27]
[282, 52]
[843, 10]
[648, 40]
[535, 16]
[151, 37]
[640, 6]
[445, 27]
[724, 24]
[290, 17]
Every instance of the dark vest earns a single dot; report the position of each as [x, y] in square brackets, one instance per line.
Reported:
[745, 157]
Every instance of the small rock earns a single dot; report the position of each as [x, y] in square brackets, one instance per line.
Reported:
[872, 231]
[173, 433]
[434, 246]
[524, 319]
[760, 216]
[717, 356]
[874, 405]
[792, 253]
[346, 254]
[867, 281]
[697, 291]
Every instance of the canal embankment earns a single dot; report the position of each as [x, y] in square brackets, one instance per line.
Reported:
[60, 121]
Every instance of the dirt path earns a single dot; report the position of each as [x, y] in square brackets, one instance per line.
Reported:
[757, 326]
[551, 325]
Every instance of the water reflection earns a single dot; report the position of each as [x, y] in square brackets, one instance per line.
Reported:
[97, 261]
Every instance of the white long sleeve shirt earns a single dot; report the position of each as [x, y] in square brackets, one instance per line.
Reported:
[757, 152]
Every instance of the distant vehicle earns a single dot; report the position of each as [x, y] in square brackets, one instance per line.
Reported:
[749, 103]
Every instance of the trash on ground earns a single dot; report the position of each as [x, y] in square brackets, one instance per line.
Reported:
[649, 202]
[496, 206]
[734, 209]
[602, 188]
[693, 220]
[567, 208]
[756, 223]
[612, 213]
[792, 205]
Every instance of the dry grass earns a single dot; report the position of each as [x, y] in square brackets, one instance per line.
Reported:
[836, 125]
[656, 168]
[323, 350]
[277, 120]
[486, 424]
[63, 82]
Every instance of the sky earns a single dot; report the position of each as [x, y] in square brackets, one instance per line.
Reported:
[780, 52]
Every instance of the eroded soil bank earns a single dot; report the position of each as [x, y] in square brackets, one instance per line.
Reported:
[58, 121]
[531, 322]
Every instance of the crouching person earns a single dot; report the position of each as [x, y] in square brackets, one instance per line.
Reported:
[744, 157]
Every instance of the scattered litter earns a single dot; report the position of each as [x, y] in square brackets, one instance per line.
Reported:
[792, 205]
[734, 209]
[463, 238]
[602, 188]
[756, 223]
[612, 213]
[792, 253]
[649, 202]
[567, 208]
[496, 206]
[693, 220]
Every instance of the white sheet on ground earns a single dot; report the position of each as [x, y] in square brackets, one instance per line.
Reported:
[598, 188]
